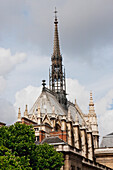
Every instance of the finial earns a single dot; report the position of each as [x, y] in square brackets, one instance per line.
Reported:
[75, 101]
[43, 84]
[91, 99]
[19, 110]
[91, 105]
[91, 94]
[19, 114]
[26, 108]
[26, 111]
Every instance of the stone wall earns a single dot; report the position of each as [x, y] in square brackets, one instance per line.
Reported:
[104, 156]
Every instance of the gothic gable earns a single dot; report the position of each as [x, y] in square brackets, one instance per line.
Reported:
[34, 118]
[46, 120]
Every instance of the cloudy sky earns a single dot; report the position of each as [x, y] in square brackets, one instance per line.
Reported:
[26, 45]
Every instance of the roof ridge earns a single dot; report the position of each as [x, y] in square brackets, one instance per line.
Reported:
[53, 139]
[110, 134]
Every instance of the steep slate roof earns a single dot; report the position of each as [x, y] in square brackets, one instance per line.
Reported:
[53, 140]
[107, 141]
[74, 109]
[47, 100]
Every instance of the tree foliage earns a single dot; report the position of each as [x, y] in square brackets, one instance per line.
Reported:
[18, 150]
[47, 158]
[9, 161]
[18, 137]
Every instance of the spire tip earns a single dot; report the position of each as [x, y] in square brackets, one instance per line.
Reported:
[55, 13]
[55, 16]
[91, 99]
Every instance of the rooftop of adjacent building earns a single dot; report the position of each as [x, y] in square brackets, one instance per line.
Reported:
[107, 141]
[3, 124]
[53, 141]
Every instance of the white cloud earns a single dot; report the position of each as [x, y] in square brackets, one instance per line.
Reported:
[105, 102]
[27, 96]
[104, 110]
[9, 61]
[2, 84]
[78, 92]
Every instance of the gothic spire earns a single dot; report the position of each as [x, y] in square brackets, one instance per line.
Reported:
[26, 112]
[56, 49]
[57, 81]
[93, 122]
[91, 104]
[19, 115]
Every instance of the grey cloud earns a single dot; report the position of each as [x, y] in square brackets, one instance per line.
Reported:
[85, 29]
[84, 25]
[91, 24]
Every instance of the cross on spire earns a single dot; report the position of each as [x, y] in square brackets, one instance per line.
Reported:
[55, 13]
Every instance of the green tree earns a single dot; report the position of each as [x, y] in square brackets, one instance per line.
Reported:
[9, 161]
[19, 140]
[47, 158]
